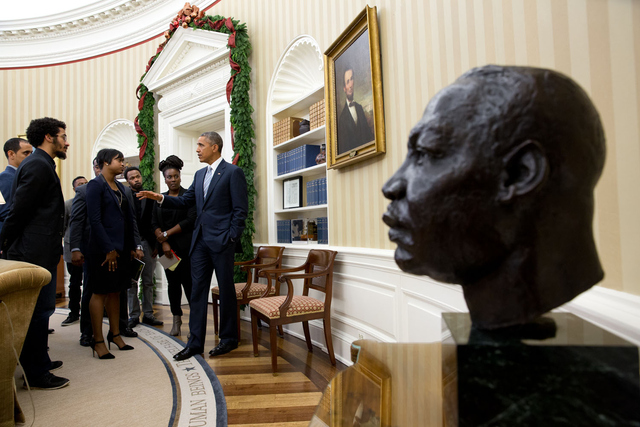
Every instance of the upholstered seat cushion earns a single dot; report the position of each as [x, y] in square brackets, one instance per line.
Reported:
[255, 290]
[270, 307]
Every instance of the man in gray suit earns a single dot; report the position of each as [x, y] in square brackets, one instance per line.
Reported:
[75, 272]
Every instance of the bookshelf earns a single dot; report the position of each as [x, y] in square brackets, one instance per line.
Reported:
[297, 84]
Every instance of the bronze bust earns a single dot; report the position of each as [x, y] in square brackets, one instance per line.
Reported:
[496, 193]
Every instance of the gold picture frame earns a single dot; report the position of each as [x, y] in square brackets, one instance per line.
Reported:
[361, 394]
[355, 127]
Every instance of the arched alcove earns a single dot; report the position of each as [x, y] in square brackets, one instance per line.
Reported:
[299, 71]
[119, 134]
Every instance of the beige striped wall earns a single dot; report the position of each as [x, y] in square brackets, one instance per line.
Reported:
[86, 95]
[425, 45]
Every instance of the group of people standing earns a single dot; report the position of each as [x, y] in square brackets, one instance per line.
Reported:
[112, 225]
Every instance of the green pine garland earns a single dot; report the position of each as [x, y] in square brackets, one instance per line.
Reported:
[241, 122]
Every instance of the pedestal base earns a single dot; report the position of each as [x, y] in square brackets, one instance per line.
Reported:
[562, 371]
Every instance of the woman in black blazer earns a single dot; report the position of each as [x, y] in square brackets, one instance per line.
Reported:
[173, 228]
[111, 248]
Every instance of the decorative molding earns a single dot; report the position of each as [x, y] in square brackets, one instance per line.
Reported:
[186, 48]
[24, 30]
[302, 59]
[173, 96]
[120, 134]
[167, 74]
[88, 32]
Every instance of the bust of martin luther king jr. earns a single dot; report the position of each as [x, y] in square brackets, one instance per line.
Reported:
[496, 193]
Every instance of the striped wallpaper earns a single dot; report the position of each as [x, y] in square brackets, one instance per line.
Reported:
[86, 95]
[425, 45]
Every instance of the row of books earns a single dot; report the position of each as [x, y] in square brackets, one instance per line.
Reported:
[303, 230]
[317, 192]
[299, 158]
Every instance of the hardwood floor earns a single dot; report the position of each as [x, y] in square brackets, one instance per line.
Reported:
[255, 397]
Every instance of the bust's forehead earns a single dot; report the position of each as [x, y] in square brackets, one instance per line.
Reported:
[455, 107]
[453, 100]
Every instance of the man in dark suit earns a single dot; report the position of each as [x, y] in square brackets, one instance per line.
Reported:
[219, 192]
[33, 233]
[143, 211]
[75, 272]
[16, 150]
[79, 231]
[353, 127]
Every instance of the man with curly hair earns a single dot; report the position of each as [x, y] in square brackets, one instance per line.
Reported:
[32, 233]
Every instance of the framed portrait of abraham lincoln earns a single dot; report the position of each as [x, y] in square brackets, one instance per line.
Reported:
[353, 93]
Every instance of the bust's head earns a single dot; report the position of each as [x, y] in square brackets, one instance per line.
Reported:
[496, 192]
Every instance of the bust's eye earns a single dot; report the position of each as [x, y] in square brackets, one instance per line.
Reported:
[427, 154]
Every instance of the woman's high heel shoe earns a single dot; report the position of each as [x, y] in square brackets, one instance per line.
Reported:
[104, 356]
[110, 338]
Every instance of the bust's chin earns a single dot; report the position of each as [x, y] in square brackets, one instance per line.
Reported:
[421, 267]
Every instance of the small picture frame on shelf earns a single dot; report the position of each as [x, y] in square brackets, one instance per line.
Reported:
[292, 193]
[298, 232]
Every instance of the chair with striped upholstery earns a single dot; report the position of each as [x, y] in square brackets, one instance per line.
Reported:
[281, 310]
[267, 257]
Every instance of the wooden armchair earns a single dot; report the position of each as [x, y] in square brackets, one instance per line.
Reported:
[267, 257]
[281, 310]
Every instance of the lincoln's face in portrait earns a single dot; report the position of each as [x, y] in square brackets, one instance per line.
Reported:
[496, 192]
[348, 84]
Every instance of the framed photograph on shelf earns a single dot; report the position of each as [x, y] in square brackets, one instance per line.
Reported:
[353, 93]
[292, 193]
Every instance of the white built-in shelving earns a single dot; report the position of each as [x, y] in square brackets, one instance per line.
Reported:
[296, 85]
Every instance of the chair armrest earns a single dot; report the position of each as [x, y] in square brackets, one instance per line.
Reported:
[320, 273]
[250, 266]
[245, 262]
[247, 269]
[286, 278]
[276, 271]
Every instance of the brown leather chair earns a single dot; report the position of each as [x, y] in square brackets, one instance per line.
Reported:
[281, 310]
[267, 257]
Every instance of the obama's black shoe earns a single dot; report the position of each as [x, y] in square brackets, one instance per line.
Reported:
[186, 353]
[224, 348]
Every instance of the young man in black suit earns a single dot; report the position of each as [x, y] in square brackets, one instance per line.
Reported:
[219, 192]
[32, 232]
[143, 211]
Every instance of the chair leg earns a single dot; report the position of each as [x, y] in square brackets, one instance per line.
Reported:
[214, 299]
[281, 331]
[327, 336]
[307, 335]
[274, 348]
[254, 333]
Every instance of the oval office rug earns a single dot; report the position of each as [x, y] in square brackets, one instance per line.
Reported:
[142, 387]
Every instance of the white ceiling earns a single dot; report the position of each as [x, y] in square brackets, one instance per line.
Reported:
[63, 31]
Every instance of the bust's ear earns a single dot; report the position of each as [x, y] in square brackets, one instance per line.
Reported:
[525, 168]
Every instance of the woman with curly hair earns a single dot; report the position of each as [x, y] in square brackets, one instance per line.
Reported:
[173, 228]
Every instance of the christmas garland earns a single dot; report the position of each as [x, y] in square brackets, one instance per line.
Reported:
[242, 133]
